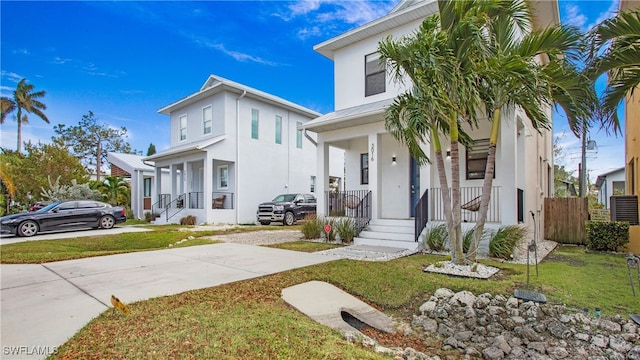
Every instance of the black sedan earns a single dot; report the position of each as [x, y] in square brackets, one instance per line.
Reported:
[64, 215]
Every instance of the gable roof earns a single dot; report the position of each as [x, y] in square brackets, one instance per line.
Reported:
[216, 84]
[603, 177]
[356, 115]
[129, 162]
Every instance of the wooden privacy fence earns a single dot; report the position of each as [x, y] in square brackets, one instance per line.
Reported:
[564, 220]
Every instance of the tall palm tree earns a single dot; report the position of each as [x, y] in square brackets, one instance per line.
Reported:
[7, 106]
[513, 77]
[24, 99]
[619, 38]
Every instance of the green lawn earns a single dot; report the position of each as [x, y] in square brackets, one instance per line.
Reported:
[248, 319]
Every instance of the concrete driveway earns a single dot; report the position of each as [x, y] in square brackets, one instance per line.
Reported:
[43, 305]
[9, 239]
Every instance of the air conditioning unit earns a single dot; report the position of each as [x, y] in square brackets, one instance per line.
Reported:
[624, 208]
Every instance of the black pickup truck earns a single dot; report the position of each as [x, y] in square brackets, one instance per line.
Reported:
[286, 208]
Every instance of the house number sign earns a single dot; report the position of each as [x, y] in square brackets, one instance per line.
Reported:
[372, 148]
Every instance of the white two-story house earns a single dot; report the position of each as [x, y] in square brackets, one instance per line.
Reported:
[233, 147]
[383, 184]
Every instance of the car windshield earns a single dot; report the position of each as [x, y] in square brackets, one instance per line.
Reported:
[285, 197]
[48, 207]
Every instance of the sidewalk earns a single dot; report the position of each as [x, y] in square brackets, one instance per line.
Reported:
[43, 305]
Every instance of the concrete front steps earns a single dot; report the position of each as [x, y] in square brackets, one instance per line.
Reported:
[388, 232]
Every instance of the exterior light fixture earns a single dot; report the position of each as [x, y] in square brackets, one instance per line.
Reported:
[393, 160]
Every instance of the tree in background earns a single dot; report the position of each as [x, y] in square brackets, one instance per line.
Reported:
[7, 185]
[91, 142]
[24, 99]
[151, 150]
[75, 191]
[564, 181]
[29, 170]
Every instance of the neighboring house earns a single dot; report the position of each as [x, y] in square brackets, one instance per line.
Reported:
[632, 144]
[383, 182]
[233, 147]
[609, 184]
[141, 177]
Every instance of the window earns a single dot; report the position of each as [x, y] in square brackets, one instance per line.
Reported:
[183, 127]
[313, 184]
[254, 123]
[299, 136]
[278, 129]
[147, 187]
[618, 187]
[375, 81]
[206, 120]
[364, 169]
[223, 177]
[477, 159]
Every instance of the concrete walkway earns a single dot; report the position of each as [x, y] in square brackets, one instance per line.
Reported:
[43, 305]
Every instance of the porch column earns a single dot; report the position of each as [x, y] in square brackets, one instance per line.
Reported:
[374, 156]
[207, 187]
[174, 181]
[322, 175]
[507, 153]
[137, 195]
[158, 185]
[186, 173]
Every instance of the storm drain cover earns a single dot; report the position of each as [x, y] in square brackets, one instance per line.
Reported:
[529, 296]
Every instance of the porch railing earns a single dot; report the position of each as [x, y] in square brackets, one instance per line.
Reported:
[354, 203]
[222, 200]
[196, 200]
[469, 196]
[421, 214]
[174, 207]
[159, 206]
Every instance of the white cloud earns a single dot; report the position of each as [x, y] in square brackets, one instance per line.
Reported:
[574, 17]
[60, 61]
[237, 55]
[306, 33]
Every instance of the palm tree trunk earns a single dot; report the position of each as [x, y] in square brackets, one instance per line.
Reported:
[444, 184]
[19, 119]
[455, 233]
[486, 187]
[98, 162]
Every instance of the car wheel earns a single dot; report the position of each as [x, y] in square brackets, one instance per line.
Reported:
[107, 222]
[28, 228]
[289, 219]
[265, 222]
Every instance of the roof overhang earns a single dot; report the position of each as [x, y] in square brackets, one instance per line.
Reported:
[353, 116]
[185, 149]
[216, 84]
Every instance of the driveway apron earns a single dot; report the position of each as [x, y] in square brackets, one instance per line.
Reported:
[43, 305]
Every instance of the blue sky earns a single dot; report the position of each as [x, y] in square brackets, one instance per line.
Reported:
[125, 60]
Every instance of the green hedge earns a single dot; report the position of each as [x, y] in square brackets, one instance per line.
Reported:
[607, 236]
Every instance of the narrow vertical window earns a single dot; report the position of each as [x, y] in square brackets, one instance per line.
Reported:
[477, 159]
[299, 136]
[364, 169]
[206, 120]
[278, 129]
[313, 184]
[254, 123]
[147, 187]
[183, 127]
[223, 177]
[375, 82]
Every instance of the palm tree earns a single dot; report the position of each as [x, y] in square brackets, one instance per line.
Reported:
[443, 94]
[24, 99]
[115, 190]
[619, 38]
[513, 77]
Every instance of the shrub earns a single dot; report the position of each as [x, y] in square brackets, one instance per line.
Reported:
[607, 236]
[467, 238]
[312, 227]
[505, 240]
[188, 220]
[149, 216]
[437, 237]
[346, 228]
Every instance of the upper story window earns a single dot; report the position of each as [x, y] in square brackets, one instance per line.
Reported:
[364, 168]
[375, 82]
[477, 159]
[207, 120]
[183, 127]
[278, 129]
[254, 123]
[299, 136]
